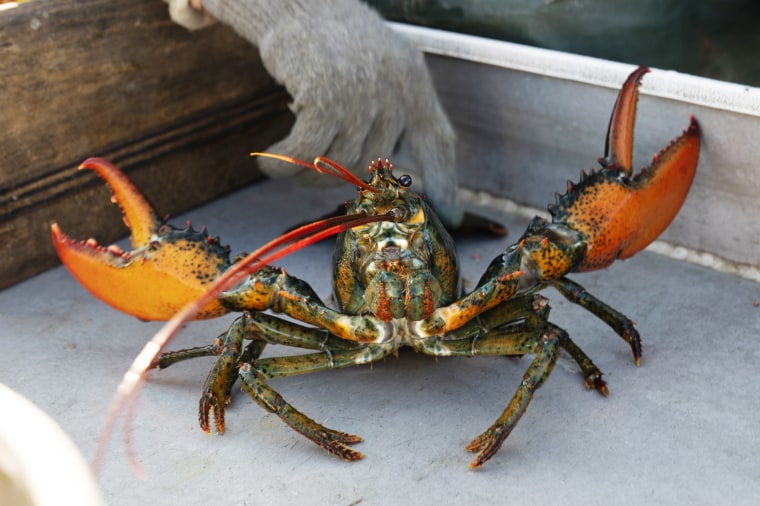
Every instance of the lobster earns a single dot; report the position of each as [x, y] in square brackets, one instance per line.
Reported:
[396, 281]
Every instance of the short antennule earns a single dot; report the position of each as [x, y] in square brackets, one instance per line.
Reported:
[380, 168]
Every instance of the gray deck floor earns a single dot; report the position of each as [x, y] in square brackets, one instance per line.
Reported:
[680, 429]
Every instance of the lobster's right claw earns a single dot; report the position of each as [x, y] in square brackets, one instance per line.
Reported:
[617, 212]
[166, 269]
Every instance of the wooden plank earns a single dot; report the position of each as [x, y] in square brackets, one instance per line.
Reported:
[178, 111]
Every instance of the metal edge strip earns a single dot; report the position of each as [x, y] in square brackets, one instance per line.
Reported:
[670, 85]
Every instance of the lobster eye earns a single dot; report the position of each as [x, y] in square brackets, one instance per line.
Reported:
[405, 180]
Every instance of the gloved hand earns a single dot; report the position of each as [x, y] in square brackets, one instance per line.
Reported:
[360, 91]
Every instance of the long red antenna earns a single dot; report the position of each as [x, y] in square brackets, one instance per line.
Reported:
[323, 165]
[131, 383]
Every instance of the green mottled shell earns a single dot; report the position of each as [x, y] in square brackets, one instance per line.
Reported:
[424, 255]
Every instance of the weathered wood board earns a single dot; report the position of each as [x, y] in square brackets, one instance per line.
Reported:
[179, 111]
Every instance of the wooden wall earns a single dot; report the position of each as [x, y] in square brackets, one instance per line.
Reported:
[178, 111]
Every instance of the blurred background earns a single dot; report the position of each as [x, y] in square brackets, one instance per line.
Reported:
[719, 39]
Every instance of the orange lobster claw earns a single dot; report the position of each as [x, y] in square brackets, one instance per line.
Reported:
[166, 269]
[619, 213]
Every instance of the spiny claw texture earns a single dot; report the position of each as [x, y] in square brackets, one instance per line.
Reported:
[616, 212]
[166, 268]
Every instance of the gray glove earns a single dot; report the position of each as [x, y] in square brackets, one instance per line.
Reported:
[360, 91]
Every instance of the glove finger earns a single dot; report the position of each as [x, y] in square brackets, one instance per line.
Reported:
[311, 136]
[188, 17]
[431, 141]
[357, 121]
[382, 138]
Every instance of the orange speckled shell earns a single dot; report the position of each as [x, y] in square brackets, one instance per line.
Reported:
[620, 217]
[168, 269]
[153, 287]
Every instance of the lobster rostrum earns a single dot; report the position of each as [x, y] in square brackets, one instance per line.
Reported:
[396, 281]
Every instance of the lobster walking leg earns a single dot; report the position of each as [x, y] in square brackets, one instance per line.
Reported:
[496, 333]
[533, 313]
[335, 442]
[592, 375]
[488, 443]
[224, 373]
[254, 375]
[620, 323]
[261, 329]
[169, 358]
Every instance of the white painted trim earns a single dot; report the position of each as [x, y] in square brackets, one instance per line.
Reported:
[660, 83]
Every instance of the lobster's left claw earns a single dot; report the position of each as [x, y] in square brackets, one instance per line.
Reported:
[166, 269]
[618, 212]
